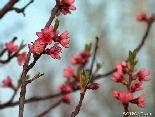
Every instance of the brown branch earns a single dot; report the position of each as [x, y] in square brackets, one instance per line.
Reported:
[22, 9]
[51, 107]
[54, 11]
[7, 7]
[23, 87]
[77, 109]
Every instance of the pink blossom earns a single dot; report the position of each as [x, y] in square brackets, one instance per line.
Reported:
[21, 58]
[11, 47]
[123, 97]
[115, 94]
[68, 72]
[62, 39]
[66, 6]
[140, 101]
[75, 59]
[36, 48]
[119, 77]
[7, 83]
[54, 51]
[136, 86]
[67, 99]
[46, 36]
[142, 16]
[123, 66]
[84, 56]
[94, 86]
[142, 75]
[63, 88]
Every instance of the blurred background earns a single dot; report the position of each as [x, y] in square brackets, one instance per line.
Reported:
[114, 22]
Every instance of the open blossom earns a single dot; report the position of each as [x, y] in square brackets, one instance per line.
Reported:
[142, 16]
[11, 47]
[66, 6]
[36, 48]
[136, 86]
[119, 77]
[62, 39]
[141, 75]
[68, 72]
[139, 101]
[21, 58]
[123, 97]
[46, 36]
[54, 51]
[63, 88]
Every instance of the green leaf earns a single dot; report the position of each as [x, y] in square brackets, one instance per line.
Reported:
[84, 79]
[88, 47]
[131, 60]
[56, 25]
[135, 62]
[134, 53]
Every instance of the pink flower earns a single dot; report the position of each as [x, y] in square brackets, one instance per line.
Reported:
[67, 99]
[75, 60]
[68, 72]
[63, 88]
[66, 6]
[139, 101]
[94, 86]
[46, 36]
[119, 77]
[84, 56]
[123, 97]
[11, 47]
[62, 39]
[36, 48]
[142, 16]
[54, 51]
[122, 67]
[7, 83]
[21, 58]
[136, 86]
[142, 75]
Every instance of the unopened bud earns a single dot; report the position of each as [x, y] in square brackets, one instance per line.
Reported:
[94, 86]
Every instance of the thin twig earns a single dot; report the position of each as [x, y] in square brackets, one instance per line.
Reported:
[94, 56]
[7, 7]
[22, 9]
[51, 107]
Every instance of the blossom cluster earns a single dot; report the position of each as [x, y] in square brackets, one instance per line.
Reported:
[137, 79]
[46, 38]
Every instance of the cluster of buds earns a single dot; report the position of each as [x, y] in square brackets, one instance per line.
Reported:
[137, 79]
[143, 17]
